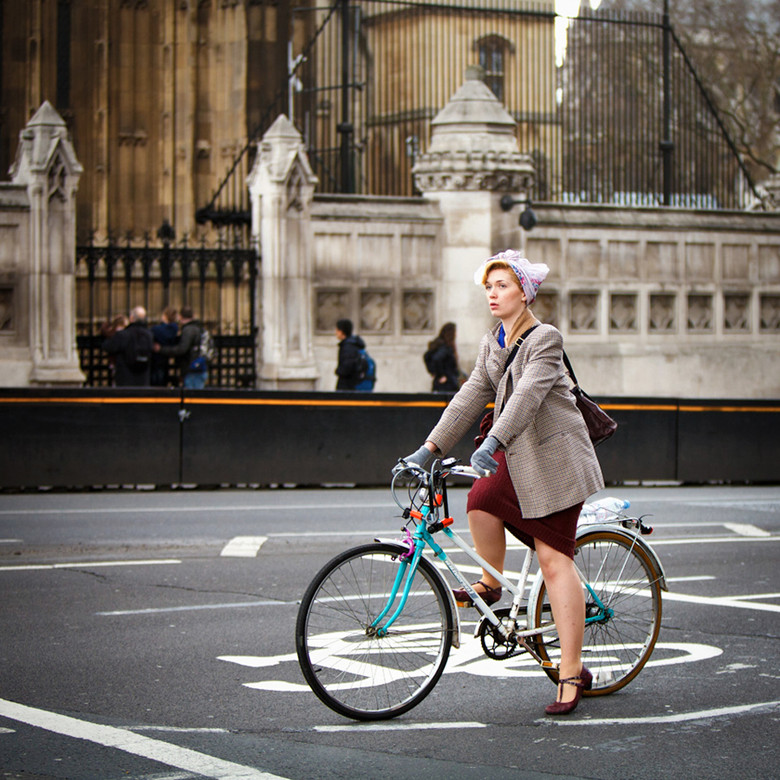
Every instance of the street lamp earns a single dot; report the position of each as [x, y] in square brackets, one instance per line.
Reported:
[528, 218]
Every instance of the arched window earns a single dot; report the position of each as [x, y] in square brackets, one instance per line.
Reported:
[493, 51]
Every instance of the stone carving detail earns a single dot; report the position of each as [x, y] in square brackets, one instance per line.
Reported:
[546, 308]
[584, 258]
[700, 261]
[770, 313]
[660, 261]
[662, 313]
[623, 259]
[332, 305]
[502, 172]
[57, 174]
[376, 311]
[295, 190]
[769, 263]
[736, 261]
[416, 311]
[700, 313]
[736, 313]
[583, 316]
[623, 313]
[6, 309]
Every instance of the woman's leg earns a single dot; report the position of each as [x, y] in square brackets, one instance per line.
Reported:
[567, 601]
[487, 531]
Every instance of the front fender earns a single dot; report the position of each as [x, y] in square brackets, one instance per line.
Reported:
[403, 548]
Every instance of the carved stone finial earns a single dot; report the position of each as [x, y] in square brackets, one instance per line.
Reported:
[473, 145]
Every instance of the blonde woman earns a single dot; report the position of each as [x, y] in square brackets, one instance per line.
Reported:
[538, 455]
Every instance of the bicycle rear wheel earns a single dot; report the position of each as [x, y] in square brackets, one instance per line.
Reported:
[353, 670]
[620, 638]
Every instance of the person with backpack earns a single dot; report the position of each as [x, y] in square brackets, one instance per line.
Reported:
[131, 348]
[441, 360]
[192, 351]
[355, 369]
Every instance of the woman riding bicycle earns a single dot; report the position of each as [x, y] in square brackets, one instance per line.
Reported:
[538, 452]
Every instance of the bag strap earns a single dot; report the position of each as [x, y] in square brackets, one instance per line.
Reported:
[511, 357]
[520, 340]
[567, 363]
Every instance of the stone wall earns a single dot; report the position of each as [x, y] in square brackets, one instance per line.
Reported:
[656, 302]
[651, 302]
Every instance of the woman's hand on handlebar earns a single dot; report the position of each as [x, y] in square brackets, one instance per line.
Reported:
[423, 457]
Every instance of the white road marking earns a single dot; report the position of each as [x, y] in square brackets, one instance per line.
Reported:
[713, 540]
[746, 529]
[193, 509]
[196, 607]
[11, 541]
[402, 726]
[180, 729]
[726, 601]
[680, 717]
[88, 565]
[135, 744]
[243, 546]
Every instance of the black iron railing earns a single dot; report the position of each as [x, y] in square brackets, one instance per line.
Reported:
[218, 281]
[608, 104]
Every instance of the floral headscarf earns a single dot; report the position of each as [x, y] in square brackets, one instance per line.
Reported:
[531, 275]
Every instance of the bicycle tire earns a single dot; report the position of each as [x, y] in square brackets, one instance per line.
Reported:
[358, 674]
[626, 580]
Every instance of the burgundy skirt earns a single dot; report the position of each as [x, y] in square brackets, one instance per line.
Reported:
[497, 496]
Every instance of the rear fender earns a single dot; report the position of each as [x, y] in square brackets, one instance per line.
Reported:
[631, 537]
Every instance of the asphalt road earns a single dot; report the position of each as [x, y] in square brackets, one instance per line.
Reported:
[151, 635]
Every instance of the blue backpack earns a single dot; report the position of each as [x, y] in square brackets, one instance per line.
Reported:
[366, 372]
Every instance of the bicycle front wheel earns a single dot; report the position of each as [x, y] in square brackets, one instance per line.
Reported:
[353, 668]
[623, 611]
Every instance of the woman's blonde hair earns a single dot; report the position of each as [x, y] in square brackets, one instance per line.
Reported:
[501, 266]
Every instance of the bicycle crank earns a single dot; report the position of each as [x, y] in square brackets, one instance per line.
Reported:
[494, 644]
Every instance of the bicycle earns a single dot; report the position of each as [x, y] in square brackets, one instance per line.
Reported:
[376, 624]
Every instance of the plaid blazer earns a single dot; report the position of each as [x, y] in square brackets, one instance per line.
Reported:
[549, 454]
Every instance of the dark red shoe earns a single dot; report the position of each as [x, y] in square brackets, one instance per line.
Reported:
[488, 595]
[582, 683]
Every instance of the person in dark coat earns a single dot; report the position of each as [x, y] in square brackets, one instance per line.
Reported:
[348, 367]
[166, 334]
[187, 349]
[132, 350]
[441, 359]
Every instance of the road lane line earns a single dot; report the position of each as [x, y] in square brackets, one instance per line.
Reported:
[725, 601]
[118, 510]
[87, 565]
[196, 607]
[401, 726]
[746, 529]
[243, 546]
[680, 717]
[135, 744]
[713, 540]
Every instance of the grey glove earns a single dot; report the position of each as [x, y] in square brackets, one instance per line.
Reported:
[422, 457]
[481, 460]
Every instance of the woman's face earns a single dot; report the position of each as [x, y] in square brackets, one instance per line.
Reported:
[504, 295]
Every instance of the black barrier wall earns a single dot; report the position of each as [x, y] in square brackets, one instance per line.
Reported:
[96, 437]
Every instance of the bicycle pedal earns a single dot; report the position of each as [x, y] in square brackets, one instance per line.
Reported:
[464, 604]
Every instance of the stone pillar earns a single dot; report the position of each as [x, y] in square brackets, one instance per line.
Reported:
[281, 188]
[47, 167]
[472, 161]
